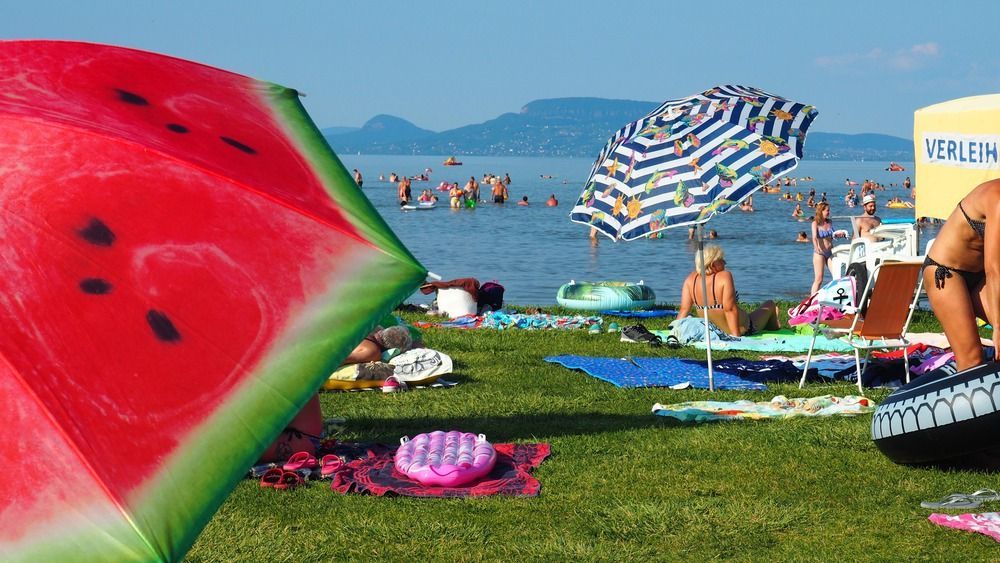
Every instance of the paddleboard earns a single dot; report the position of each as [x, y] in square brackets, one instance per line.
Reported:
[418, 207]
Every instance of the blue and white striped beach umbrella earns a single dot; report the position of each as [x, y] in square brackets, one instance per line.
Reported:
[690, 159]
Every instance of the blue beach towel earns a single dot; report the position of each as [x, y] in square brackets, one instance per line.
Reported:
[780, 341]
[733, 373]
[503, 320]
[642, 314]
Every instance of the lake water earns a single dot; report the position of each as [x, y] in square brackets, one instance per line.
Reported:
[533, 250]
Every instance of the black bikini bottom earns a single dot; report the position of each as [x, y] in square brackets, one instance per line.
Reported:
[972, 279]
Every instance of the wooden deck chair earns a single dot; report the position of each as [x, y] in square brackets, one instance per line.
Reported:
[891, 296]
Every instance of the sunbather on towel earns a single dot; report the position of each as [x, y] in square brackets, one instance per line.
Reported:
[303, 432]
[381, 339]
[722, 297]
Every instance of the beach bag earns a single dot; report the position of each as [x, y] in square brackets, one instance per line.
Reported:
[842, 291]
[491, 295]
[421, 365]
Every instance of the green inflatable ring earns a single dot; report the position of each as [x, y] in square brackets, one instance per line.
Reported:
[605, 296]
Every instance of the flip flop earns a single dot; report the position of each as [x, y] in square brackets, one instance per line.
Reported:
[289, 480]
[955, 500]
[300, 460]
[984, 495]
[329, 465]
[271, 478]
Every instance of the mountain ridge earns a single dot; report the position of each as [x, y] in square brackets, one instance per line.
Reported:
[572, 127]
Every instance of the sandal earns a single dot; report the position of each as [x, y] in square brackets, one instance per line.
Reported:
[301, 460]
[289, 480]
[329, 465]
[271, 478]
[984, 495]
[955, 500]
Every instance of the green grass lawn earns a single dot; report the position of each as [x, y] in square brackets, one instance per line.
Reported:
[621, 484]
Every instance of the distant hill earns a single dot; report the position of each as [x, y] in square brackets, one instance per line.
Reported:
[330, 131]
[568, 127]
[382, 134]
[867, 146]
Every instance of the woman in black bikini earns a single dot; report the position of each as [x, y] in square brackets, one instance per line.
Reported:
[962, 272]
[722, 298]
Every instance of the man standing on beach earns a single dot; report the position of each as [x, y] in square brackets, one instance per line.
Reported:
[865, 224]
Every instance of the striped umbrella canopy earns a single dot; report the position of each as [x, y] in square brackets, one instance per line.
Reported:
[690, 159]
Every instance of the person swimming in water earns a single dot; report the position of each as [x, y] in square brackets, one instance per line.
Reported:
[499, 192]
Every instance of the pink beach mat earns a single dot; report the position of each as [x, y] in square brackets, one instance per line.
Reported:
[376, 475]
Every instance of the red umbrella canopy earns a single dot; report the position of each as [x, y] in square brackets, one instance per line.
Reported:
[183, 262]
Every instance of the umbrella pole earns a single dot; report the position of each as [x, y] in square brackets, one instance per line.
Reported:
[704, 303]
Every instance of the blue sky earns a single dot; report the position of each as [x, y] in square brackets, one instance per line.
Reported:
[865, 65]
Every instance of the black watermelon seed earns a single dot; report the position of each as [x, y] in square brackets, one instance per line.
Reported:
[177, 128]
[131, 97]
[239, 145]
[95, 286]
[96, 232]
[162, 327]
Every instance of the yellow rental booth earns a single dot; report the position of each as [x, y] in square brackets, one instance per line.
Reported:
[956, 148]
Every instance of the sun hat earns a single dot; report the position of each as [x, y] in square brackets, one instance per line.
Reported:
[868, 199]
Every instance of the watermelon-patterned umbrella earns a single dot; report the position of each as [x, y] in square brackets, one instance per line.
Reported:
[691, 159]
[183, 262]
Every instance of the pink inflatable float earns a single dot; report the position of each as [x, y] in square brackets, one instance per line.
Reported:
[445, 459]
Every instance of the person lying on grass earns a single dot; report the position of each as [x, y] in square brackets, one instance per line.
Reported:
[721, 299]
[303, 433]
